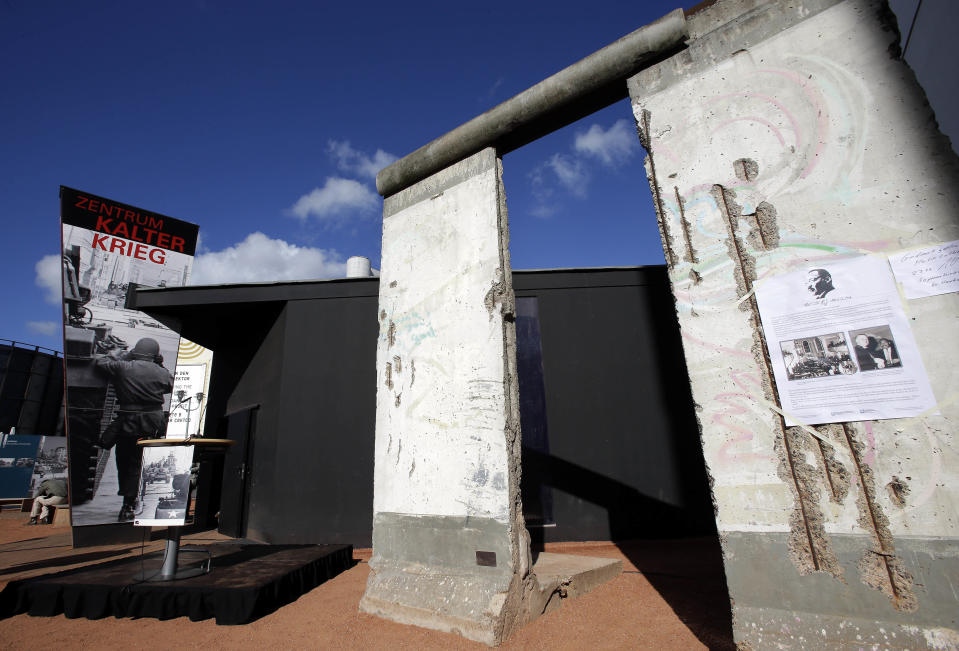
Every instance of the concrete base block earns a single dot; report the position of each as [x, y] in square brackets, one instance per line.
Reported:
[446, 573]
[472, 605]
[560, 577]
[466, 605]
[786, 629]
[775, 606]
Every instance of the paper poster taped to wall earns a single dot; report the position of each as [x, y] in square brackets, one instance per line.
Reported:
[191, 386]
[840, 344]
[928, 272]
[164, 486]
[119, 362]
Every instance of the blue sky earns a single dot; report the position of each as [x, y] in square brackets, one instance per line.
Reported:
[265, 123]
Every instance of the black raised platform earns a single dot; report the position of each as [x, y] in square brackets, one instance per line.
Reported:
[247, 582]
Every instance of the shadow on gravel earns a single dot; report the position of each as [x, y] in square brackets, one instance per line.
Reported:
[689, 575]
[71, 559]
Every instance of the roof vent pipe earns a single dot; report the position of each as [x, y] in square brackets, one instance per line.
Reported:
[358, 267]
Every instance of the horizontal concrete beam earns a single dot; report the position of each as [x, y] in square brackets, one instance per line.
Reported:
[583, 88]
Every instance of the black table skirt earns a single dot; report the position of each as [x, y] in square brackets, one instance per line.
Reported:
[247, 582]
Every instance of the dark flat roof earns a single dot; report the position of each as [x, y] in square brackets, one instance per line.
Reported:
[202, 312]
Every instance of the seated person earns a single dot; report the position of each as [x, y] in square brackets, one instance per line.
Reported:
[49, 493]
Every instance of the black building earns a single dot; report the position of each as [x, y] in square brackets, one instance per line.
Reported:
[31, 389]
[611, 446]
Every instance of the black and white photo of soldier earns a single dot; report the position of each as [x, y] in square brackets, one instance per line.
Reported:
[875, 348]
[817, 356]
[165, 482]
[819, 283]
[99, 334]
[142, 385]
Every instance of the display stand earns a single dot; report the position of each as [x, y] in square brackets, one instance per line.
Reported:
[204, 449]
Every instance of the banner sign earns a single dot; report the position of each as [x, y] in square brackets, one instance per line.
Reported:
[119, 363]
[191, 386]
[18, 454]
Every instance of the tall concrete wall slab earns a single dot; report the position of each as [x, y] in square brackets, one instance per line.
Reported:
[788, 135]
[450, 550]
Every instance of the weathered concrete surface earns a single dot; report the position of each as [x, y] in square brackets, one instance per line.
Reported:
[559, 577]
[584, 87]
[448, 604]
[451, 550]
[845, 610]
[788, 134]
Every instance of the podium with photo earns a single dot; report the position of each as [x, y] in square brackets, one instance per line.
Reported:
[168, 461]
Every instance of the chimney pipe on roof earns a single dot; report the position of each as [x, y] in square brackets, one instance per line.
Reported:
[358, 267]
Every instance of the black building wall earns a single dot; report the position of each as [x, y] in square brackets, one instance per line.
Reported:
[314, 481]
[611, 446]
[302, 355]
[31, 389]
[624, 459]
[260, 386]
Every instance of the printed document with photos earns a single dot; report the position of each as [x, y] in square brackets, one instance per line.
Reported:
[164, 486]
[840, 344]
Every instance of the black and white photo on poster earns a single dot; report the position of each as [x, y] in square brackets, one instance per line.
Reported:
[836, 323]
[119, 362]
[875, 348]
[51, 461]
[817, 356]
[165, 481]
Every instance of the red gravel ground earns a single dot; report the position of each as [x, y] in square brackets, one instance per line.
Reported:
[671, 595]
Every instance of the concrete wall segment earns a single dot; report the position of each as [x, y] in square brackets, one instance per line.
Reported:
[441, 394]
[839, 143]
[793, 120]
[845, 608]
[450, 549]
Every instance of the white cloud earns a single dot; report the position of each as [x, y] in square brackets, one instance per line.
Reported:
[612, 146]
[570, 172]
[495, 87]
[46, 328]
[358, 162]
[335, 199]
[260, 258]
[541, 189]
[49, 271]
[543, 192]
[201, 246]
[544, 210]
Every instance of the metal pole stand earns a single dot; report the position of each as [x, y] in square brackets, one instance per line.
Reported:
[169, 571]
